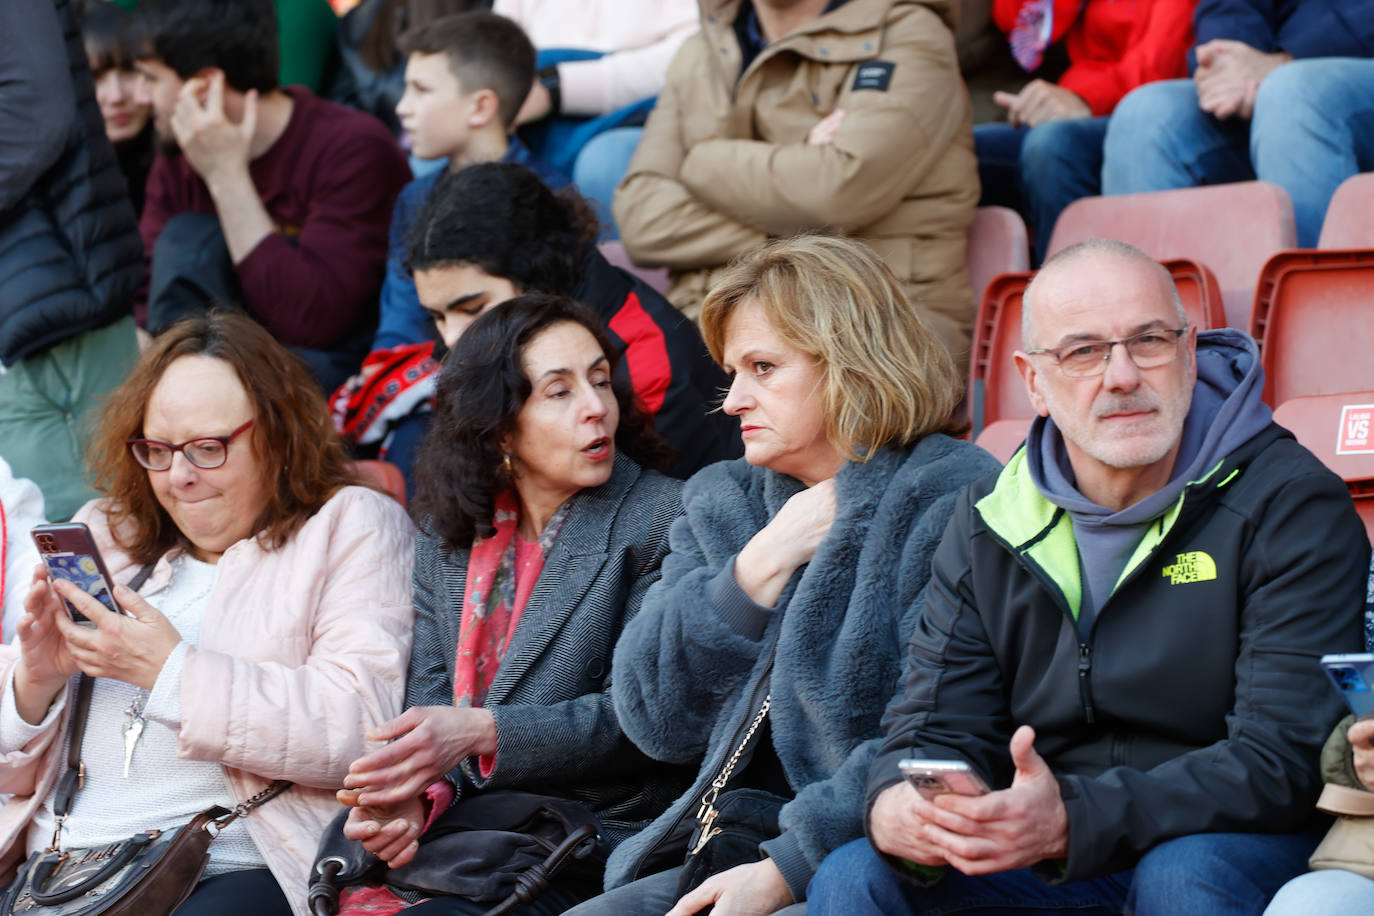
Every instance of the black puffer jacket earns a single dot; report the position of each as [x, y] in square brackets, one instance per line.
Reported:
[70, 255]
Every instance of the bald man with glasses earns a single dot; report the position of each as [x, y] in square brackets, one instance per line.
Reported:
[1121, 633]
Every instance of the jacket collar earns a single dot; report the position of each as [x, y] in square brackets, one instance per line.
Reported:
[849, 32]
[1040, 533]
[571, 567]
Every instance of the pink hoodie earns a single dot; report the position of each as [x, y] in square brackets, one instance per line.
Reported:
[302, 650]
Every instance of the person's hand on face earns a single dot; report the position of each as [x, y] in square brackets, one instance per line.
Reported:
[1039, 102]
[391, 833]
[429, 742]
[130, 647]
[214, 146]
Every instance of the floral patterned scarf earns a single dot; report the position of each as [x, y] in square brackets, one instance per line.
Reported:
[498, 587]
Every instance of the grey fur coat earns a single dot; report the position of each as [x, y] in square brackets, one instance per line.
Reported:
[690, 670]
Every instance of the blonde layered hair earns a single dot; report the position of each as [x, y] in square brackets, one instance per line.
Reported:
[885, 378]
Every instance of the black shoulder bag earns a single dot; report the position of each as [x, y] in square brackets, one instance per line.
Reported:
[499, 847]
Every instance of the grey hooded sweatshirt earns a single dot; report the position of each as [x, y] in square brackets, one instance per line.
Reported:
[1226, 412]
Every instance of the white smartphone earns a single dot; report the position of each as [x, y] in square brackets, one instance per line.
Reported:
[940, 777]
[1353, 674]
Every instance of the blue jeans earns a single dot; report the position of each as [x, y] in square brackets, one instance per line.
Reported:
[1313, 127]
[1039, 171]
[1328, 891]
[600, 166]
[1207, 874]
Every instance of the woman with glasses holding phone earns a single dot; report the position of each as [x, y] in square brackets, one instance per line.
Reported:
[271, 632]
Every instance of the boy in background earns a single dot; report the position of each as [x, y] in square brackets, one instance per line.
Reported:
[466, 78]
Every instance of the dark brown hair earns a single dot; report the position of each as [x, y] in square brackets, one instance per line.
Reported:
[481, 390]
[484, 51]
[391, 18]
[291, 431]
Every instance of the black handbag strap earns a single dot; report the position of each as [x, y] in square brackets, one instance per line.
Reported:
[71, 780]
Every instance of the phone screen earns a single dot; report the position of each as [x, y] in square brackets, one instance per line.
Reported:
[81, 570]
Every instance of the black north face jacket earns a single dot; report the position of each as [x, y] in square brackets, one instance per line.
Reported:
[1195, 703]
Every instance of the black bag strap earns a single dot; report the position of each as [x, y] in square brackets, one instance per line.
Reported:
[71, 780]
[76, 726]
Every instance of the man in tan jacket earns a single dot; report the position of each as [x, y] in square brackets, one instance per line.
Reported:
[785, 116]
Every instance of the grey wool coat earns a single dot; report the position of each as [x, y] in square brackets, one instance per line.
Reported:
[557, 732]
[692, 668]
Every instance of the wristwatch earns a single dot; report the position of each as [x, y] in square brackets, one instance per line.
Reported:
[549, 77]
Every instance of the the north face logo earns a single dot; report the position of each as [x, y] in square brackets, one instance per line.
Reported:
[1194, 566]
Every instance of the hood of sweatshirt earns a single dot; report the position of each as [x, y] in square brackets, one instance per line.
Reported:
[1225, 413]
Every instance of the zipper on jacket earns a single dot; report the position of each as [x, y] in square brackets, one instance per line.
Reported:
[1085, 667]
[737, 735]
[1085, 661]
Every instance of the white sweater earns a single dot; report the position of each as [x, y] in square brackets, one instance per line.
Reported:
[162, 791]
[638, 39]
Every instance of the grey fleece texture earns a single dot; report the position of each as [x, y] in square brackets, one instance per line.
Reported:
[686, 669]
[1226, 412]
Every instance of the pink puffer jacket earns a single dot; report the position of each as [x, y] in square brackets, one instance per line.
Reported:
[302, 650]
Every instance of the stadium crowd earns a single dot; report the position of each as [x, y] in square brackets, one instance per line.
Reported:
[481, 419]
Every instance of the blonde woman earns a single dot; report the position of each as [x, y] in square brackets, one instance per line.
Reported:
[795, 572]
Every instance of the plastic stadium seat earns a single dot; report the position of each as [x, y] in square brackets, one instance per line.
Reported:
[1314, 321]
[1364, 505]
[1003, 437]
[1232, 228]
[1199, 292]
[657, 277]
[996, 391]
[1338, 429]
[1349, 221]
[997, 244]
[384, 475]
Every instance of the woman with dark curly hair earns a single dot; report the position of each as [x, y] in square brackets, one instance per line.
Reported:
[493, 231]
[540, 533]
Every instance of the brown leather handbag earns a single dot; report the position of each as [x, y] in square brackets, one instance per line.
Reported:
[149, 874]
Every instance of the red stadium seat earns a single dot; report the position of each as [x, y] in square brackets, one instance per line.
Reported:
[1349, 221]
[1003, 437]
[997, 244]
[996, 391]
[1338, 429]
[1232, 228]
[384, 475]
[1199, 292]
[657, 277]
[1314, 321]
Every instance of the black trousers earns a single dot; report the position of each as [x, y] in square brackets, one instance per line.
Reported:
[252, 890]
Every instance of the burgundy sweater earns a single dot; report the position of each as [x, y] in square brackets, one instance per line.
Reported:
[329, 184]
